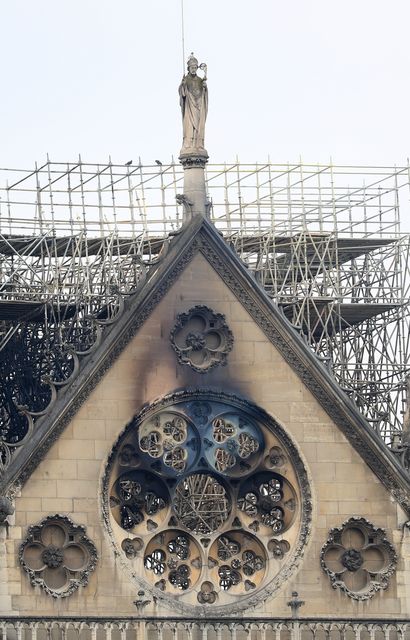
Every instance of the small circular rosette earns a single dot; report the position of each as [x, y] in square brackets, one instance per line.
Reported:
[139, 501]
[170, 441]
[237, 562]
[58, 556]
[358, 559]
[173, 561]
[267, 502]
[233, 444]
[201, 339]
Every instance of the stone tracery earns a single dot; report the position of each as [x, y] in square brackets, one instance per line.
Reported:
[233, 444]
[236, 556]
[268, 499]
[195, 478]
[358, 558]
[174, 557]
[201, 339]
[138, 498]
[58, 556]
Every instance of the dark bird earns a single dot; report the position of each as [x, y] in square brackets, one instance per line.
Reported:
[127, 164]
[159, 163]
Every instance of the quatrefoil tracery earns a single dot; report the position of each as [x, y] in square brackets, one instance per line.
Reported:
[174, 557]
[201, 339]
[358, 558]
[235, 557]
[58, 556]
[267, 500]
[139, 501]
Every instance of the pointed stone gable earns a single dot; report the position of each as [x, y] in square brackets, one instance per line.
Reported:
[68, 479]
[200, 244]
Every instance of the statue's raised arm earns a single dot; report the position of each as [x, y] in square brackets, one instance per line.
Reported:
[193, 93]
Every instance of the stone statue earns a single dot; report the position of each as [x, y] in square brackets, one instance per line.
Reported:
[193, 94]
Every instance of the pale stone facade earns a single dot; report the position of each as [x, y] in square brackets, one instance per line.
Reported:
[68, 480]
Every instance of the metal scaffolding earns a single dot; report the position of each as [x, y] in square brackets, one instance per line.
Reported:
[324, 240]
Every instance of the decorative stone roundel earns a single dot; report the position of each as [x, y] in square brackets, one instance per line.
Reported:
[58, 556]
[201, 339]
[207, 502]
[358, 558]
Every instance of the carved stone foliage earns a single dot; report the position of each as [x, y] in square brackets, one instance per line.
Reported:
[206, 499]
[58, 556]
[201, 339]
[358, 558]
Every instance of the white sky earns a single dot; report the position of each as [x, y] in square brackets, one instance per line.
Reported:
[315, 78]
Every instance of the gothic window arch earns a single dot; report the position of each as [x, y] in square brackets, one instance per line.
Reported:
[207, 502]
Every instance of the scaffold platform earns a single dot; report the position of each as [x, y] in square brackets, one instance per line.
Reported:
[325, 242]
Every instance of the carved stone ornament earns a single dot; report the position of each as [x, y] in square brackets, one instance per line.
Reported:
[58, 556]
[201, 339]
[358, 558]
[206, 502]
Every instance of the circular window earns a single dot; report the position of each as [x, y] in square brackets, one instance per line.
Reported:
[139, 499]
[233, 444]
[171, 440]
[207, 501]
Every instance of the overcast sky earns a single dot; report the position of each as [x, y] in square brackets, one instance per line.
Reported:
[315, 78]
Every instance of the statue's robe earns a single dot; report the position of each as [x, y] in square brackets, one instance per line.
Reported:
[194, 104]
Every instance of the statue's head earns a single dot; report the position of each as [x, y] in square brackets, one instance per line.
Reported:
[192, 65]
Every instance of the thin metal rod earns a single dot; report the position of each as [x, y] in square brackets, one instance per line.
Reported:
[183, 37]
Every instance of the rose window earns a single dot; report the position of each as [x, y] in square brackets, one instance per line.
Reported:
[204, 503]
